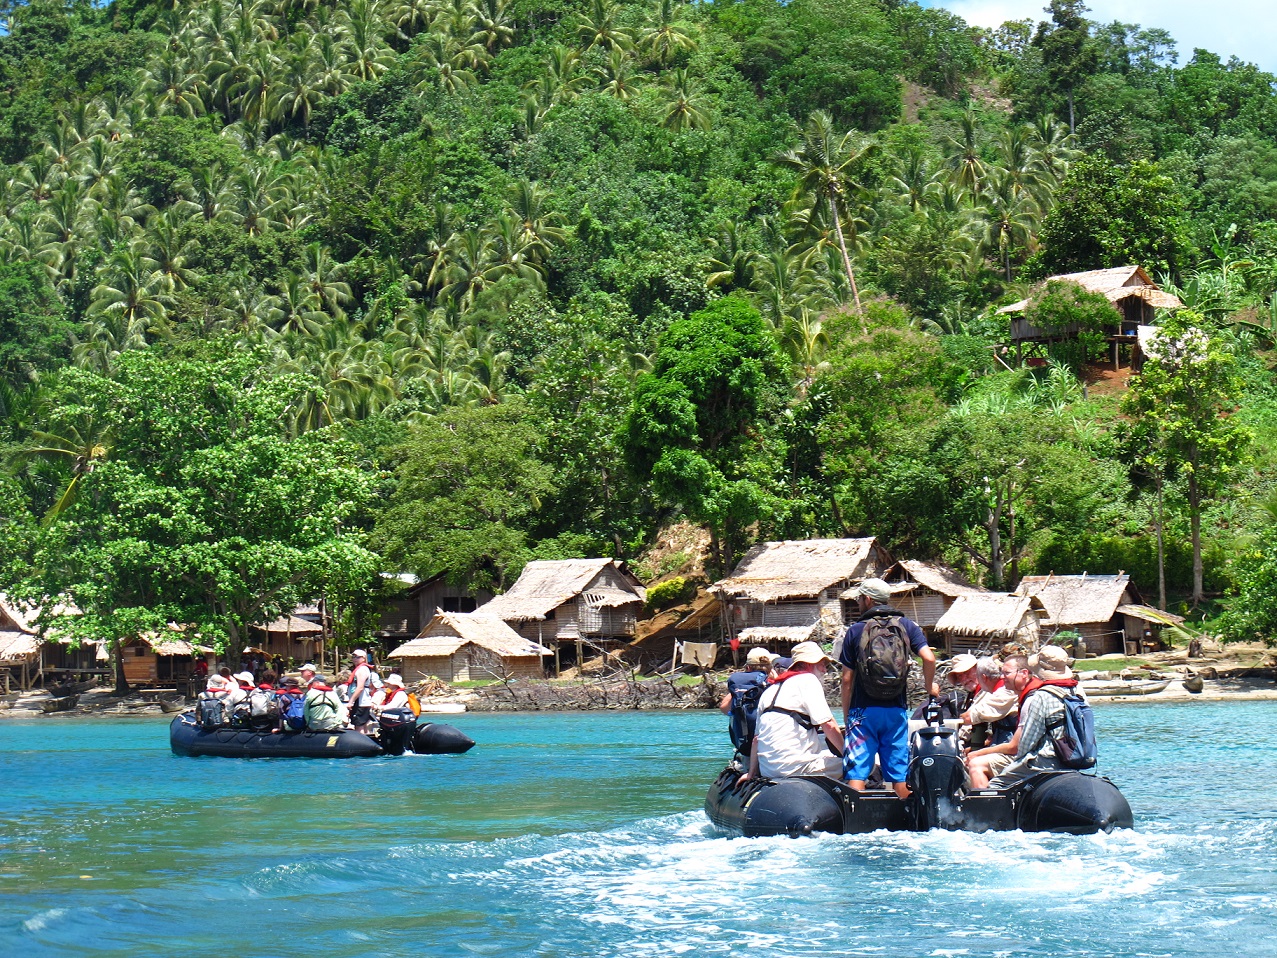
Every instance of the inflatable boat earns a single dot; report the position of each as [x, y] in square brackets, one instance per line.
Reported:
[397, 732]
[1074, 802]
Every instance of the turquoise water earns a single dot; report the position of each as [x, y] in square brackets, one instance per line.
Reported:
[583, 835]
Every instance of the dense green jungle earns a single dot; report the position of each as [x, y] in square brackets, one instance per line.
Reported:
[295, 293]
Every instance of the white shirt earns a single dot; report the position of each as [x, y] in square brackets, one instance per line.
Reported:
[785, 747]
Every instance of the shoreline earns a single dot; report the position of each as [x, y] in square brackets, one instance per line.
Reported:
[1224, 689]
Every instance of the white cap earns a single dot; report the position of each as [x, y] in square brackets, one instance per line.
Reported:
[308, 667]
[359, 654]
[757, 656]
[245, 677]
[394, 679]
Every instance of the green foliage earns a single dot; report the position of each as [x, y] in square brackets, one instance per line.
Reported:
[468, 481]
[670, 592]
[159, 159]
[1109, 216]
[1060, 304]
[1252, 613]
[205, 510]
[35, 334]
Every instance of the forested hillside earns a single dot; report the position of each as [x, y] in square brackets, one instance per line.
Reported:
[296, 292]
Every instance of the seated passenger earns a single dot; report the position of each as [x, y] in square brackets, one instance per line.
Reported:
[1039, 711]
[964, 685]
[263, 704]
[992, 716]
[323, 711]
[221, 682]
[791, 714]
[984, 763]
[292, 698]
[741, 701]
[391, 695]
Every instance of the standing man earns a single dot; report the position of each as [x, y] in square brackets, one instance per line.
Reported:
[359, 698]
[791, 715]
[875, 659]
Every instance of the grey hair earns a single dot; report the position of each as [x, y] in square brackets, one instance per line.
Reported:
[989, 668]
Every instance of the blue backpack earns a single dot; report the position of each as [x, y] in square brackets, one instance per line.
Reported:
[746, 689]
[1073, 734]
[293, 712]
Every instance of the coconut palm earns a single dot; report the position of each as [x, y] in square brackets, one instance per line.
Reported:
[539, 229]
[685, 107]
[134, 289]
[618, 77]
[915, 181]
[965, 161]
[664, 36]
[494, 27]
[732, 260]
[825, 163]
[324, 278]
[76, 444]
[600, 26]
[1010, 217]
[295, 310]
[172, 87]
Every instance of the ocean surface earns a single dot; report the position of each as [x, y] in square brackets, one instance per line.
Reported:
[583, 835]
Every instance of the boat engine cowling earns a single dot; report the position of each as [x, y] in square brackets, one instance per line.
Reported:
[395, 730]
[937, 775]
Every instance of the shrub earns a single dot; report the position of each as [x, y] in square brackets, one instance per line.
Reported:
[670, 592]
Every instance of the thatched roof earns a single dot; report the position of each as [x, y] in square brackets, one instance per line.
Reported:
[993, 615]
[763, 634]
[1149, 614]
[18, 647]
[546, 584]
[289, 624]
[170, 644]
[1079, 599]
[447, 632]
[1115, 285]
[908, 574]
[800, 570]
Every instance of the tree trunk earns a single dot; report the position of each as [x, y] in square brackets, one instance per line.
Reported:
[121, 684]
[993, 523]
[1195, 524]
[1161, 544]
[1072, 127]
[842, 245]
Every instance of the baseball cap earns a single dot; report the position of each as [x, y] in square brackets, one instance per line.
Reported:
[874, 589]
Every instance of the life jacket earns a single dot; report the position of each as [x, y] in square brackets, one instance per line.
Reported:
[324, 706]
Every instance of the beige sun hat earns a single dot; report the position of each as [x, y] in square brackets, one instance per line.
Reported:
[964, 662]
[1050, 663]
[758, 656]
[808, 652]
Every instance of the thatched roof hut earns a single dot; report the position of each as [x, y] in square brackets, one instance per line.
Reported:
[794, 585]
[166, 656]
[290, 635]
[1086, 604]
[29, 656]
[987, 620]
[924, 591]
[568, 601]
[461, 646]
[775, 571]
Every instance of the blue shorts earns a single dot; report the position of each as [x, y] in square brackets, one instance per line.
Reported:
[882, 731]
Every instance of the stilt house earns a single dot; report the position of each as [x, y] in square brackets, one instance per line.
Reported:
[1131, 291]
[985, 621]
[291, 636]
[1089, 605]
[782, 593]
[924, 591]
[405, 616]
[461, 646]
[27, 659]
[565, 603]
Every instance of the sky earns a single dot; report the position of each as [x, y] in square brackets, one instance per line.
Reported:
[1244, 28]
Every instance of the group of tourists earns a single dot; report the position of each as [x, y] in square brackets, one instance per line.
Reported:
[1009, 709]
[268, 703]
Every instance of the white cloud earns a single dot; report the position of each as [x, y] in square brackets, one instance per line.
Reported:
[1242, 28]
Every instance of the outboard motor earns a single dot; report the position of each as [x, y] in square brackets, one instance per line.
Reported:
[395, 729]
[937, 775]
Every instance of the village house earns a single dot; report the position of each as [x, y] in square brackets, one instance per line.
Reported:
[924, 591]
[406, 615]
[296, 636]
[782, 593]
[566, 603]
[1131, 291]
[27, 660]
[462, 646]
[982, 622]
[1107, 611]
[162, 659]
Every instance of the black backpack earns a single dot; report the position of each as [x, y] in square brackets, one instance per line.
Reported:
[212, 711]
[882, 657]
[746, 689]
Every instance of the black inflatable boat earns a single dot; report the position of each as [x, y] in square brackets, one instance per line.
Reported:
[397, 732]
[1073, 802]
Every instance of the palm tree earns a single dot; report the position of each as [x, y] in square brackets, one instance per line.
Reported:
[964, 159]
[915, 181]
[618, 77]
[1011, 217]
[172, 87]
[733, 261]
[133, 288]
[370, 56]
[685, 107]
[825, 162]
[539, 229]
[494, 27]
[600, 26]
[296, 310]
[324, 278]
[450, 61]
[664, 35]
[77, 444]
